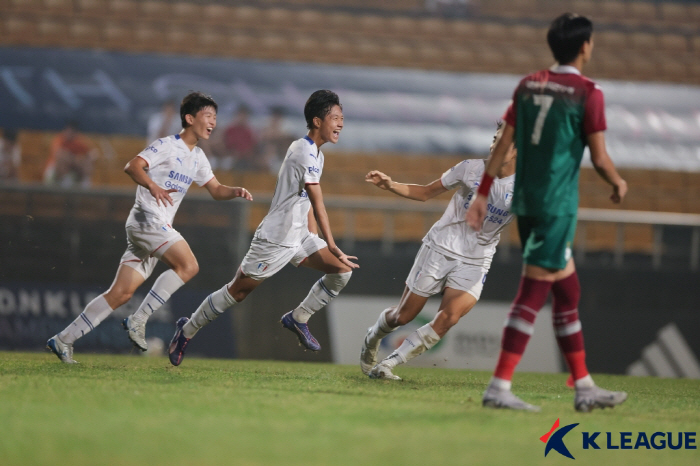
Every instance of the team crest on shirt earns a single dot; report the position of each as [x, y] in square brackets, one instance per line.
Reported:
[508, 198]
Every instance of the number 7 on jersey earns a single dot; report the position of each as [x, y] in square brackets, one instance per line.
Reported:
[545, 103]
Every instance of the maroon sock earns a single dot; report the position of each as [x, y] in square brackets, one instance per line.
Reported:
[567, 326]
[532, 295]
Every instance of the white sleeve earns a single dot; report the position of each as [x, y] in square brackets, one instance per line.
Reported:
[456, 175]
[204, 174]
[155, 153]
[312, 167]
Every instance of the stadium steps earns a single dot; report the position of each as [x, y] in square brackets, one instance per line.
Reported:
[282, 31]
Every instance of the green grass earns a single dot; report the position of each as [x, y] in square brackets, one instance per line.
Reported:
[127, 410]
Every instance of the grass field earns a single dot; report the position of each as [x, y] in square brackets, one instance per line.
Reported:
[128, 410]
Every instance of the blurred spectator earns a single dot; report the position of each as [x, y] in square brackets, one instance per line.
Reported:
[10, 156]
[164, 123]
[240, 143]
[71, 157]
[274, 141]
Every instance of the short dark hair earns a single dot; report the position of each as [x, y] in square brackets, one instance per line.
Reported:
[567, 34]
[319, 105]
[193, 103]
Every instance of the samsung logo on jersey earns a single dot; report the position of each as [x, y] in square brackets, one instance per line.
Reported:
[495, 210]
[180, 177]
[313, 169]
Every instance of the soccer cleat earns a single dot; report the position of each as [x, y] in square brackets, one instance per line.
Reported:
[368, 354]
[178, 344]
[382, 371]
[301, 331]
[498, 398]
[136, 332]
[64, 351]
[594, 397]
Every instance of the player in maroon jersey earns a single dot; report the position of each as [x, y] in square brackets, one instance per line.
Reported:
[555, 113]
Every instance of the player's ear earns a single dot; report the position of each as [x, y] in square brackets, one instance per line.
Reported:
[189, 119]
[317, 122]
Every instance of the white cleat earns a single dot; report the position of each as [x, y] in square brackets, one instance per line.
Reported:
[382, 371]
[136, 332]
[368, 353]
[498, 398]
[594, 397]
[64, 351]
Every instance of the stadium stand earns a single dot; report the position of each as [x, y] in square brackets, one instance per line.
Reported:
[658, 40]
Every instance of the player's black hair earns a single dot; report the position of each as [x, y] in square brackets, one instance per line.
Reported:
[567, 34]
[193, 103]
[319, 105]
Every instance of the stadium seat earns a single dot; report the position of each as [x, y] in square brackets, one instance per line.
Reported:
[84, 33]
[215, 13]
[58, 6]
[24, 6]
[51, 30]
[643, 12]
[150, 37]
[18, 29]
[185, 10]
[675, 43]
[642, 41]
[90, 7]
[612, 11]
[124, 9]
[118, 34]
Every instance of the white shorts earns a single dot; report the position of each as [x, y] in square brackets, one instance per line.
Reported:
[264, 259]
[432, 272]
[146, 245]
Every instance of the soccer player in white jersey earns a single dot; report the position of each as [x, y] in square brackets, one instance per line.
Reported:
[454, 259]
[163, 171]
[287, 234]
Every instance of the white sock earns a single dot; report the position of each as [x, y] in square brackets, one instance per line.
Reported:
[584, 382]
[323, 291]
[212, 307]
[380, 329]
[167, 284]
[95, 312]
[500, 384]
[414, 345]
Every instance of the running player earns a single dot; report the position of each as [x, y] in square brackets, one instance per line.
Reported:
[454, 259]
[287, 234]
[555, 113]
[163, 171]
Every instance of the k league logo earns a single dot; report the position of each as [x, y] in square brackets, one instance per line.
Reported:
[555, 441]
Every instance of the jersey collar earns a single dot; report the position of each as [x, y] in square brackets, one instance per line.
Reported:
[564, 69]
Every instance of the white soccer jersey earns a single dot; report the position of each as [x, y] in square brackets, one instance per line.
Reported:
[451, 235]
[287, 221]
[171, 165]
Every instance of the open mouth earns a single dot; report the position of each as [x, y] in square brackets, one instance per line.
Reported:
[209, 130]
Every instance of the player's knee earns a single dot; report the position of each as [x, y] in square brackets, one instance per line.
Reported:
[187, 271]
[401, 319]
[337, 281]
[118, 297]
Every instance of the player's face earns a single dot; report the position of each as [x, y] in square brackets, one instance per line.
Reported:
[331, 126]
[204, 122]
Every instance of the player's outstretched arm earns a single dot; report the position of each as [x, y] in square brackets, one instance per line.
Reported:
[136, 169]
[319, 208]
[418, 192]
[477, 209]
[222, 192]
[605, 166]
